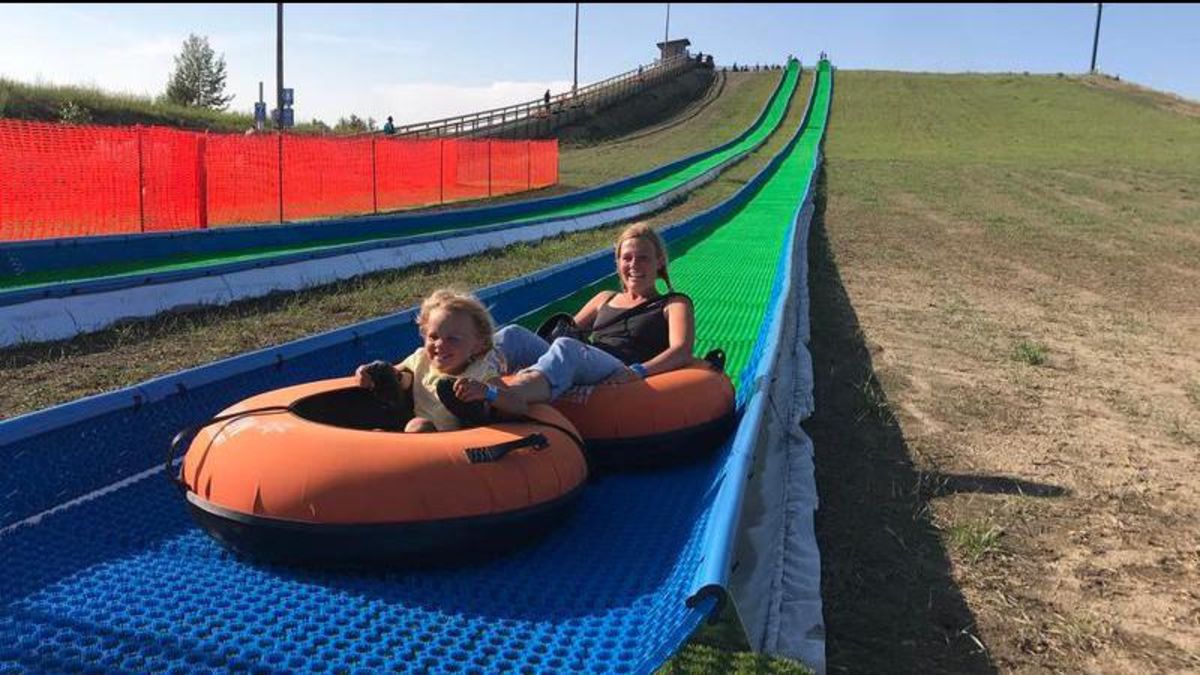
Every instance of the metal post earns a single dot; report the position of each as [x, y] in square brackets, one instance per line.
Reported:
[141, 180]
[374, 179]
[279, 95]
[202, 180]
[279, 142]
[575, 81]
[1096, 39]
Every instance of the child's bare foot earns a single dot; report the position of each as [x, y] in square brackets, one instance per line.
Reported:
[419, 425]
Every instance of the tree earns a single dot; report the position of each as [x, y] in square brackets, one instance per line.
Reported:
[199, 77]
[354, 125]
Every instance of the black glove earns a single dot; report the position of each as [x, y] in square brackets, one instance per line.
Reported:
[385, 383]
[560, 325]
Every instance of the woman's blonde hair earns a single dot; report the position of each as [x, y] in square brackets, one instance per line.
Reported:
[644, 231]
[456, 300]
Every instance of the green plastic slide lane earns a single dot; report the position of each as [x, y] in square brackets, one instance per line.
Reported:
[765, 127]
[729, 269]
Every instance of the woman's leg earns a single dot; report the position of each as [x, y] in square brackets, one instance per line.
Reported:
[520, 346]
[567, 363]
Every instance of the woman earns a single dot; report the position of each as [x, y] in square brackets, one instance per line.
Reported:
[635, 333]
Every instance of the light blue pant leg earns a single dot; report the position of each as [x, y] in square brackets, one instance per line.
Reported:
[570, 362]
[565, 363]
[520, 346]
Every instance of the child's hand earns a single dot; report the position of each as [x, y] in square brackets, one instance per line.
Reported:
[385, 371]
[364, 380]
[469, 390]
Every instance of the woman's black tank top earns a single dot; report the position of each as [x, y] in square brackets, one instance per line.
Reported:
[633, 334]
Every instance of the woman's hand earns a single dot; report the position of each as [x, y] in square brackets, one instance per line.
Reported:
[622, 376]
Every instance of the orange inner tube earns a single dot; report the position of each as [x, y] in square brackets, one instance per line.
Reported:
[661, 404]
[281, 465]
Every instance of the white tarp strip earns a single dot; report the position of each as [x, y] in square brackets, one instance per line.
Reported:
[776, 580]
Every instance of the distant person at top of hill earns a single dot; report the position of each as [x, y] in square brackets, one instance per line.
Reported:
[388, 127]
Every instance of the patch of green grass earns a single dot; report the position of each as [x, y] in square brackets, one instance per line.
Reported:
[1036, 120]
[1192, 390]
[1031, 353]
[1180, 429]
[1080, 632]
[873, 399]
[974, 540]
[698, 658]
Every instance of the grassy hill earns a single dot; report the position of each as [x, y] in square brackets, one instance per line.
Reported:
[1008, 389]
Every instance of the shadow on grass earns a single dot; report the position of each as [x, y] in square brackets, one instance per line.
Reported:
[891, 604]
[934, 484]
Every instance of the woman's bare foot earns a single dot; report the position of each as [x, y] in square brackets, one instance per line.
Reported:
[531, 386]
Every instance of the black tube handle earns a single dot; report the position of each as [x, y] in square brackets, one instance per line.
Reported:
[195, 428]
[494, 453]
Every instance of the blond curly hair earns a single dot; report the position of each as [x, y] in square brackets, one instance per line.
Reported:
[458, 300]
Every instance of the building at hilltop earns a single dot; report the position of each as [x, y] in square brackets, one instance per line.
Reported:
[672, 48]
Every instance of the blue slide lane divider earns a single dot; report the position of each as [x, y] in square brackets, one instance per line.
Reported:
[124, 581]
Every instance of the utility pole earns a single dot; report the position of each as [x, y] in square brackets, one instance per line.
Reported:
[575, 81]
[1096, 39]
[667, 30]
[279, 96]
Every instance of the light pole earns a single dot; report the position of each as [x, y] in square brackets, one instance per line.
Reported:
[667, 30]
[1096, 39]
[279, 96]
[575, 82]
[279, 65]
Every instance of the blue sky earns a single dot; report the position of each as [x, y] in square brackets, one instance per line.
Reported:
[418, 62]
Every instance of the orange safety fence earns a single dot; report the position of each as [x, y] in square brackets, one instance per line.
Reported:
[408, 172]
[543, 163]
[241, 178]
[64, 180]
[172, 172]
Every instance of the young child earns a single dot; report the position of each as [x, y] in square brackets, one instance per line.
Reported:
[457, 332]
